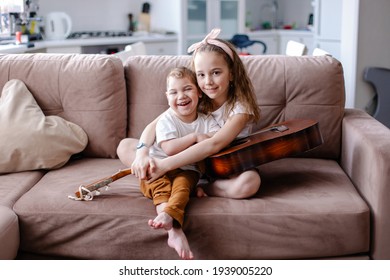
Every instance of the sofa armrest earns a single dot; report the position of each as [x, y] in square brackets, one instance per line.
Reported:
[9, 233]
[365, 157]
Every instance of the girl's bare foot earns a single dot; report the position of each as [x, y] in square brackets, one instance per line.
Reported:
[200, 191]
[163, 220]
[178, 241]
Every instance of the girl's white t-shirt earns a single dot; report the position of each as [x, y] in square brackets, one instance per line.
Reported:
[220, 117]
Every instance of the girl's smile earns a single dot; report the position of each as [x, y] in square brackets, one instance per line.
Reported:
[213, 76]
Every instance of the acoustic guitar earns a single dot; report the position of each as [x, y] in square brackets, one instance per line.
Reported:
[286, 139]
[281, 140]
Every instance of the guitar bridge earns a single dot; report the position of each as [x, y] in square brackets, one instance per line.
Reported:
[279, 128]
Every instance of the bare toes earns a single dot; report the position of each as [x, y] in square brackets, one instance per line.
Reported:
[200, 192]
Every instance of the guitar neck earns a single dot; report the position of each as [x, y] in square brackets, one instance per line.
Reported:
[103, 182]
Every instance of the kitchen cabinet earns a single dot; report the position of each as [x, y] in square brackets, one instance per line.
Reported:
[161, 48]
[304, 37]
[192, 20]
[156, 44]
[72, 49]
[276, 40]
[327, 26]
[269, 37]
[199, 17]
[152, 48]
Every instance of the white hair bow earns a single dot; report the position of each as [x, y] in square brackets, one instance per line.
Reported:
[211, 39]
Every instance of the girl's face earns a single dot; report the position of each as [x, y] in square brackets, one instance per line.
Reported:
[213, 76]
[183, 97]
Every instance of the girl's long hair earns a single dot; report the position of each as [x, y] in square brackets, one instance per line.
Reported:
[241, 88]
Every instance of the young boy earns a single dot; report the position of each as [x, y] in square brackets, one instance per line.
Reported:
[178, 128]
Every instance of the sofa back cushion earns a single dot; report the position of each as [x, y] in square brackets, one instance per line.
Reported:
[286, 88]
[88, 90]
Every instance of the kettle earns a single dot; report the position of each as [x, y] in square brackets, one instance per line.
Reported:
[58, 26]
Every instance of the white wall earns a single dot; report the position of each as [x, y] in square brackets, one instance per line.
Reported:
[365, 43]
[348, 49]
[373, 44]
[103, 15]
[93, 15]
[163, 18]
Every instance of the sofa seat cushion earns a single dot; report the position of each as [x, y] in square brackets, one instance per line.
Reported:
[306, 208]
[9, 233]
[14, 185]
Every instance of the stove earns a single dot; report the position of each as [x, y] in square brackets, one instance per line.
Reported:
[98, 34]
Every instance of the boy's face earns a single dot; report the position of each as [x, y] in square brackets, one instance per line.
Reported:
[183, 97]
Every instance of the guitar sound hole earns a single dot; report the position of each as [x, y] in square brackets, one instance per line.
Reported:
[239, 141]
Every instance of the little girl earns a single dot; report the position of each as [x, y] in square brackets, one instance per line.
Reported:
[230, 99]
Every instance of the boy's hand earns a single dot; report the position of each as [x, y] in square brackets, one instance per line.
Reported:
[203, 136]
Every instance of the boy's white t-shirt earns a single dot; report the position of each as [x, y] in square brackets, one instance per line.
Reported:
[169, 126]
[219, 116]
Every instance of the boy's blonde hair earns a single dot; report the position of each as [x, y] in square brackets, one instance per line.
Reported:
[241, 88]
[183, 72]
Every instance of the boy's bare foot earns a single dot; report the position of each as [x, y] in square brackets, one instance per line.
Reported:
[163, 220]
[178, 241]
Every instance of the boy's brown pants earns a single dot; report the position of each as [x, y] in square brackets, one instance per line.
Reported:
[174, 188]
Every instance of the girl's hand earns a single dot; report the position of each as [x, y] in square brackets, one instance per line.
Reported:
[140, 165]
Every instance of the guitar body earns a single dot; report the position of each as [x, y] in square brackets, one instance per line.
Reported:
[278, 141]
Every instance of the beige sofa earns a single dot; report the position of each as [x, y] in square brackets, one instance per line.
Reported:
[332, 202]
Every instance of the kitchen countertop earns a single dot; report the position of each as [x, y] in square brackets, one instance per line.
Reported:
[37, 45]
[151, 37]
[292, 32]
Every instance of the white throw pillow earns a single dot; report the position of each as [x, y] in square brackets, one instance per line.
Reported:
[30, 140]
